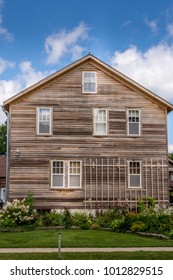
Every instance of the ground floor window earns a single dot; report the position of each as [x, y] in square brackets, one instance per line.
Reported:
[134, 172]
[66, 174]
[171, 196]
[2, 194]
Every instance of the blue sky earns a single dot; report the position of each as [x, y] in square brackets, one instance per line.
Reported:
[38, 37]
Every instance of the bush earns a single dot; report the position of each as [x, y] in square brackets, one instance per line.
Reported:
[17, 213]
[52, 218]
[82, 220]
[146, 205]
[137, 226]
[116, 224]
[157, 223]
[67, 218]
[128, 221]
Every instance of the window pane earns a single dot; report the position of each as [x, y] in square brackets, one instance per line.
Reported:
[74, 181]
[134, 128]
[100, 129]
[58, 167]
[89, 87]
[134, 180]
[44, 127]
[57, 180]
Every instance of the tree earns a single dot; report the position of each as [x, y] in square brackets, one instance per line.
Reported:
[3, 138]
[170, 155]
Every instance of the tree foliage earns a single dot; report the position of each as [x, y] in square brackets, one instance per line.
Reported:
[3, 138]
[170, 156]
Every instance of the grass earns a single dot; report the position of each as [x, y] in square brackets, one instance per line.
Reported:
[89, 256]
[78, 238]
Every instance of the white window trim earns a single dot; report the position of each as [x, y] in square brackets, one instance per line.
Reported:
[57, 187]
[74, 174]
[127, 118]
[1, 193]
[134, 187]
[37, 122]
[66, 174]
[94, 122]
[88, 92]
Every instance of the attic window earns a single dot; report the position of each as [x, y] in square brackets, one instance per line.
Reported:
[89, 82]
[44, 121]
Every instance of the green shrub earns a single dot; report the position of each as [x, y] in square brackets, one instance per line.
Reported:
[52, 218]
[67, 218]
[137, 226]
[82, 220]
[104, 219]
[128, 220]
[146, 205]
[116, 224]
[29, 201]
[95, 226]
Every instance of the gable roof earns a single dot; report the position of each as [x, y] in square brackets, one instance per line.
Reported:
[100, 64]
[2, 166]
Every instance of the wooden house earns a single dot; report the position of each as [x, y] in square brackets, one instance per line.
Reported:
[86, 137]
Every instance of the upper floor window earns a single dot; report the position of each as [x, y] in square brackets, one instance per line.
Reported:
[89, 82]
[134, 171]
[133, 122]
[44, 121]
[100, 122]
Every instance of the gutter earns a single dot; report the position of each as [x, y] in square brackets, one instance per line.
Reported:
[7, 155]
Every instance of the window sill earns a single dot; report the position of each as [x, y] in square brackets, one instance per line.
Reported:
[65, 189]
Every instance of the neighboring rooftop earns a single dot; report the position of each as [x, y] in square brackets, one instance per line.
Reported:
[2, 166]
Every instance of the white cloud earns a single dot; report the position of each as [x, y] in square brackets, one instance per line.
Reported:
[152, 68]
[152, 24]
[169, 29]
[5, 64]
[58, 44]
[27, 76]
[170, 148]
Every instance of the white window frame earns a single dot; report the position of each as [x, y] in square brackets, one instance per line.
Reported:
[71, 174]
[135, 174]
[66, 174]
[95, 110]
[84, 81]
[171, 177]
[50, 120]
[63, 174]
[2, 194]
[139, 122]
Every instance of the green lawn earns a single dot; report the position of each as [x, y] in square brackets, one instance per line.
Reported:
[90, 256]
[78, 238]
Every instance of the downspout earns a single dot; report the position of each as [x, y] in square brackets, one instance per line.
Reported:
[7, 155]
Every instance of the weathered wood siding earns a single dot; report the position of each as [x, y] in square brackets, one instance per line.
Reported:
[73, 138]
